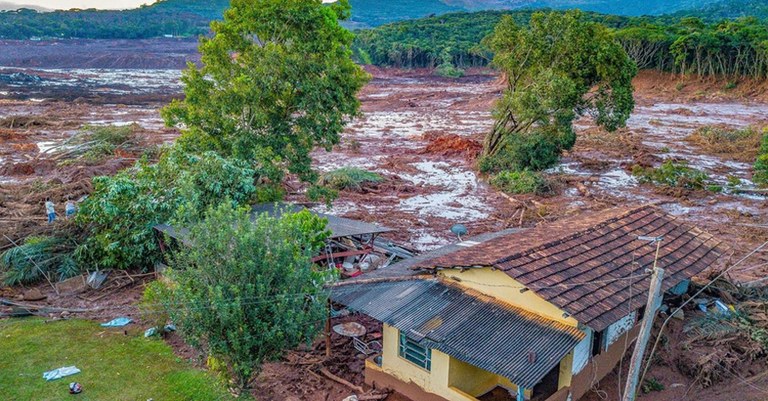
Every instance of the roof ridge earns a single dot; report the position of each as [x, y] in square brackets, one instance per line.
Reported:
[575, 234]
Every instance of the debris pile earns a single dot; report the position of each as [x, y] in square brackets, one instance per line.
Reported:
[722, 343]
[451, 145]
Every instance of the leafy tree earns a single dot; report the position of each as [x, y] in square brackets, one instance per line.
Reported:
[558, 68]
[277, 81]
[119, 216]
[247, 290]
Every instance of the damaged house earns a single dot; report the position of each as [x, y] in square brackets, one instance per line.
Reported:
[538, 314]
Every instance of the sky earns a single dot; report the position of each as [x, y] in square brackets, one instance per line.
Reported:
[67, 4]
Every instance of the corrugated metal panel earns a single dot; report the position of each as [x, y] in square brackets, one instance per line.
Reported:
[475, 329]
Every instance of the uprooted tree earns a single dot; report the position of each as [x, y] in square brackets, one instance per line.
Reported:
[558, 68]
[277, 81]
[246, 290]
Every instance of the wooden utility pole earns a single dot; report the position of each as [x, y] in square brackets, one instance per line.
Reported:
[654, 301]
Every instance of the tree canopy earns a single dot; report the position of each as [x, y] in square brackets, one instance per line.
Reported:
[556, 69]
[277, 81]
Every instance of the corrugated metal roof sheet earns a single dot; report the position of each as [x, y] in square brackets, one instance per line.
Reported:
[571, 263]
[339, 226]
[473, 328]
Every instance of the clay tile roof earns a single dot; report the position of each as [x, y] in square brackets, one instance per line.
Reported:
[581, 264]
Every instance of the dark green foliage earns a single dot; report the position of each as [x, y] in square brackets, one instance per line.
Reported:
[246, 290]
[521, 182]
[192, 17]
[448, 70]
[119, 215]
[673, 174]
[170, 17]
[760, 175]
[534, 151]
[349, 178]
[557, 68]
[37, 258]
[277, 81]
[651, 385]
[682, 43]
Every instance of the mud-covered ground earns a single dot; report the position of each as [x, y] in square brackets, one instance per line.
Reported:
[423, 134]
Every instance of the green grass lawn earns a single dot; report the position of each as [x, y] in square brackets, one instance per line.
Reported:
[114, 366]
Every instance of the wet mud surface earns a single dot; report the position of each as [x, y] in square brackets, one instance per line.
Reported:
[423, 134]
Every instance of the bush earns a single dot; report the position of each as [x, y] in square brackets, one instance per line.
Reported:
[448, 70]
[36, 259]
[521, 182]
[151, 305]
[120, 214]
[674, 175]
[737, 144]
[760, 175]
[246, 290]
[351, 178]
[651, 385]
[536, 151]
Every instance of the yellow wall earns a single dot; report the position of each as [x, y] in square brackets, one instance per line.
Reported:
[566, 371]
[449, 378]
[496, 283]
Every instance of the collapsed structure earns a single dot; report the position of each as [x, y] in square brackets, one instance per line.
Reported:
[353, 246]
[538, 314]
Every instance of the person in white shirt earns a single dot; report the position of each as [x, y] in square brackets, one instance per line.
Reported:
[49, 209]
[69, 208]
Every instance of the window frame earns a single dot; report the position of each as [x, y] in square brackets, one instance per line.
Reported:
[414, 353]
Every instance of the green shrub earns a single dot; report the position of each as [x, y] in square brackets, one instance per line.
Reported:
[760, 176]
[449, 70]
[36, 259]
[151, 305]
[520, 182]
[730, 85]
[119, 216]
[536, 151]
[674, 175]
[652, 385]
[351, 178]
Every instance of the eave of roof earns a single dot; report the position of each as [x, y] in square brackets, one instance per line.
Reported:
[500, 338]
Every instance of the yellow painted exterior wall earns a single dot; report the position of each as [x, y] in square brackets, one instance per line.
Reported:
[496, 283]
[566, 371]
[449, 378]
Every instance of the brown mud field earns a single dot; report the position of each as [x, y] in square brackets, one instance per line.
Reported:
[423, 134]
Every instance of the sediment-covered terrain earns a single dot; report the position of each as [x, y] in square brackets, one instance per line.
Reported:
[423, 134]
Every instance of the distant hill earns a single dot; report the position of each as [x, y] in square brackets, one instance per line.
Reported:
[728, 9]
[192, 17]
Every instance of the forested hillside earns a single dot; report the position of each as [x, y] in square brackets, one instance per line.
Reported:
[733, 47]
[192, 17]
